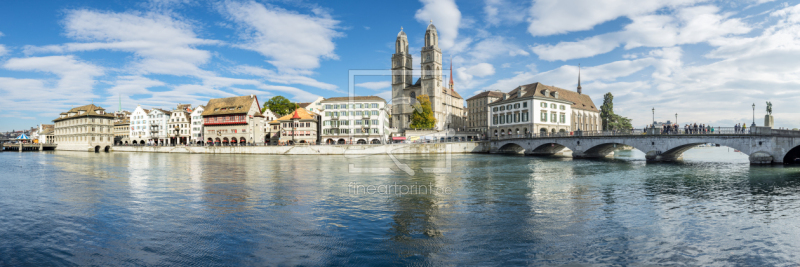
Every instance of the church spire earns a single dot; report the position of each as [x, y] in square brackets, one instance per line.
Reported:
[579, 78]
[451, 72]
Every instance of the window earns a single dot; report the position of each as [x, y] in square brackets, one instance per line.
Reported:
[374, 105]
[516, 117]
[502, 108]
[543, 104]
[516, 105]
[544, 116]
[502, 119]
[562, 107]
[358, 122]
[553, 106]
[351, 106]
[358, 106]
[553, 117]
[525, 115]
[525, 104]
[563, 118]
[508, 107]
[509, 119]
[494, 109]
[375, 112]
[374, 122]
[494, 119]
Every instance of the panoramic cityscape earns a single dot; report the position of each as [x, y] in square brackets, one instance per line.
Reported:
[434, 132]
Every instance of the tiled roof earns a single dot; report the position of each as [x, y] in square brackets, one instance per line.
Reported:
[304, 105]
[89, 110]
[355, 98]
[579, 101]
[454, 93]
[230, 105]
[487, 94]
[302, 113]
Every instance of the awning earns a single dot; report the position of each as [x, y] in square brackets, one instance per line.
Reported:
[399, 138]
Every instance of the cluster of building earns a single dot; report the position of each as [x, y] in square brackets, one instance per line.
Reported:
[526, 110]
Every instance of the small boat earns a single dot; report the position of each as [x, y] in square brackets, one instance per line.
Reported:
[736, 150]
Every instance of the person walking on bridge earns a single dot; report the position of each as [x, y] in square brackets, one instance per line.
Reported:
[744, 127]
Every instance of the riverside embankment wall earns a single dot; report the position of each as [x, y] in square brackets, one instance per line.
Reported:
[438, 148]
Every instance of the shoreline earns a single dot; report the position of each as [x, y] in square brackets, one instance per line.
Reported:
[436, 148]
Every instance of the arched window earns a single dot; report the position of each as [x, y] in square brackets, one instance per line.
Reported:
[413, 95]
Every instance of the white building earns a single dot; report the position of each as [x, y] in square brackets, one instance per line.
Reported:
[197, 124]
[542, 109]
[158, 126]
[140, 125]
[179, 125]
[355, 120]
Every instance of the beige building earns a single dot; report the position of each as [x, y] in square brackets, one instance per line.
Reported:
[122, 128]
[478, 110]
[85, 128]
[299, 127]
[179, 125]
[233, 121]
[447, 105]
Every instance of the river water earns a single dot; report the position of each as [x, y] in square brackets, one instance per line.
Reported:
[136, 209]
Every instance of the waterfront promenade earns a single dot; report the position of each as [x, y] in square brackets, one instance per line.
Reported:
[416, 148]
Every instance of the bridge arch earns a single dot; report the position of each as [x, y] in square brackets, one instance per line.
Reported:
[792, 156]
[511, 148]
[605, 149]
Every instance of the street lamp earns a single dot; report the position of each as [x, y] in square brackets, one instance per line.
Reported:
[754, 115]
[654, 116]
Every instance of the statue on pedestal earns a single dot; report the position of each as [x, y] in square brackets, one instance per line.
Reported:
[768, 120]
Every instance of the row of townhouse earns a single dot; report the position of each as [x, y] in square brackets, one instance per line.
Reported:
[227, 121]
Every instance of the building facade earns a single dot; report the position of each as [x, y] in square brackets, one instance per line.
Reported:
[478, 110]
[313, 106]
[541, 109]
[355, 120]
[122, 129]
[197, 124]
[446, 104]
[46, 133]
[299, 127]
[85, 128]
[159, 120]
[179, 125]
[140, 126]
[233, 121]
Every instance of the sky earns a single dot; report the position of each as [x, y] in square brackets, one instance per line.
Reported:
[706, 61]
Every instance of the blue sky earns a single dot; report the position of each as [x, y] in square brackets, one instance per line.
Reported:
[708, 61]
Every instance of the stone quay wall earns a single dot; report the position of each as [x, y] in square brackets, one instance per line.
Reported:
[437, 148]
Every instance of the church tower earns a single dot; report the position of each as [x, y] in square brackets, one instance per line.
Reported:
[401, 80]
[431, 63]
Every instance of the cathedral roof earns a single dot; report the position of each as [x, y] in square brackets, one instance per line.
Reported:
[579, 101]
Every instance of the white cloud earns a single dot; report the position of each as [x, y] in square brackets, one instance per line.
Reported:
[495, 46]
[503, 12]
[688, 25]
[284, 78]
[3, 50]
[374, 85]
[74, 83]
[481, 70]
[163, 45]
[446, 17]
[289, 40]
[560, 16]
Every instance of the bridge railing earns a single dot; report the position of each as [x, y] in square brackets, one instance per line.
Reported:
[656, 131]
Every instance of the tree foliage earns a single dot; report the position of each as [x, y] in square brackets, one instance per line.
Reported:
[423, 114]
[612, 121]
[279, 105]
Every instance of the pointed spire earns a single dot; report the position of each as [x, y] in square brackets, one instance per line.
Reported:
[579, 78]
[451, 72]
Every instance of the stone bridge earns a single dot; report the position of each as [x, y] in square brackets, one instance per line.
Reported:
[762, 149]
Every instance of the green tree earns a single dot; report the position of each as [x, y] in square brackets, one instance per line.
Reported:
[423, 114]
[280, 105]
[607, 110]
[612, 121]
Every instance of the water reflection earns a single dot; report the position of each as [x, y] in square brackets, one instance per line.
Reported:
[165, 209]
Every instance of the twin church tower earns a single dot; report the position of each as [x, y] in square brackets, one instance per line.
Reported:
[446, 103]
